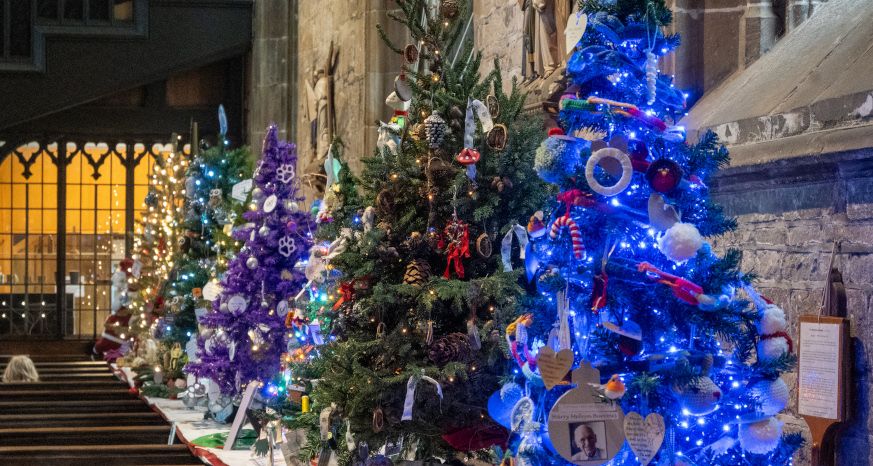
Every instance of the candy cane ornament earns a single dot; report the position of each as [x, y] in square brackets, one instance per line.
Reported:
[575, 234]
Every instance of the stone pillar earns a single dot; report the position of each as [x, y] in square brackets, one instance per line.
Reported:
[758, 30]
[269, 99]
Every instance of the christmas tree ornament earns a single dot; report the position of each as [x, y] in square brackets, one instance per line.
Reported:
[583, 429]
[264, 230]
[417, 272]
[290, 206]
[378, 420]
[701, 395]
[214, 197]
[285, 173]
[493, 105]
[554, 366]
[237, 304]
[760, 437]
[402, 89]
[664, 175]
[773, 395]
[645, 436]
[497, 137]
[614, 162]
[473, 334]
[501, 183]
[411, 386]
[252, 262]
[575, 235]
[449, 9]
[457, 246]
[384, 203]
[270, 203]
[536, 228]
[506, 245]
[418, 132]
[469, 155]
[454, 347]
[483, 245]
[558, 156]
[435, 130]
[651, 76]
[410, 54]
[680, 242]
[287, 246]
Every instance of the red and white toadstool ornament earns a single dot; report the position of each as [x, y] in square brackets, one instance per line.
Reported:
[468, 156]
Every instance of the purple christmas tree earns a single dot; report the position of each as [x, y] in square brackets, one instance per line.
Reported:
[243, 337]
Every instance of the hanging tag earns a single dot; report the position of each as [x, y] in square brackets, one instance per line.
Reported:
[564, 316]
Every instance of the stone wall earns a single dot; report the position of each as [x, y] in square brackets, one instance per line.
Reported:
[789, 215]
[497, 31]
[268, 94]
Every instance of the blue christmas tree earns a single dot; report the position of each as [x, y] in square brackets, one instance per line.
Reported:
[623, 280]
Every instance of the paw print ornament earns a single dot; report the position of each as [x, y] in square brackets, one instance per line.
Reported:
[285, 173]
[287, 246]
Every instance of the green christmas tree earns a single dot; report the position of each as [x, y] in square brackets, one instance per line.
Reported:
[415, 354]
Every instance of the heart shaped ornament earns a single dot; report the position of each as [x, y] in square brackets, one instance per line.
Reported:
[574, 31]
[554, 366]
[644, 436]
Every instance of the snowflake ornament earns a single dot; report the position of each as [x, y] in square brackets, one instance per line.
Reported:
[287, 246]
[285, 173]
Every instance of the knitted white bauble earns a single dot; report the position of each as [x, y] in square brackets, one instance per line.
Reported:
[772, 394]
[772, 348]
[760, 437]
[680, 242]
[772, 320]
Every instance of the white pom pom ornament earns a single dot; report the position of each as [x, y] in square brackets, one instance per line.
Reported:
[680, 242]
[772, 348]
[760, 437]
[772, 320]
[772, 394]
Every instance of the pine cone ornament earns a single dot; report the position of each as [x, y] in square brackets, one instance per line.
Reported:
[417, 273]
[452, 347]
[435, 130]
[449, 9]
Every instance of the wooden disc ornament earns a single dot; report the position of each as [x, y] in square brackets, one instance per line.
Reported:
[583, 429]
[410, 54]
[483, 245]
[644, 436]
[493, 105]
[497, 137]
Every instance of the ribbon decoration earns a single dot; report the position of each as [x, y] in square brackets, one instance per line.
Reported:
[475, 108]
[458, 247]
[683, 289]
[564, 319]
[506, 245]
[410, 394]
[347, 293]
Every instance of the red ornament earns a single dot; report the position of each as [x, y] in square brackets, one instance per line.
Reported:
[664, 175]
[457, 240]
[468, 156]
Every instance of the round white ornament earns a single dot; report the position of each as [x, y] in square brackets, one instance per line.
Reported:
[212, 290]
[236, 304]
[270, 203]
[282, 308]
[616, 163]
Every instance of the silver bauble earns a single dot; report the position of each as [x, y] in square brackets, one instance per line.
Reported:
[290, 206]
[264, 231]
[257, 194]
[252, 262]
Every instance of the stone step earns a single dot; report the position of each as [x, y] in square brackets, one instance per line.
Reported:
[71, 406]
[80, 419]
[12, 393]
[93, 435]
[102, 455]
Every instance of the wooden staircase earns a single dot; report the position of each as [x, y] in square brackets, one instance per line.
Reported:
[80, 414]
